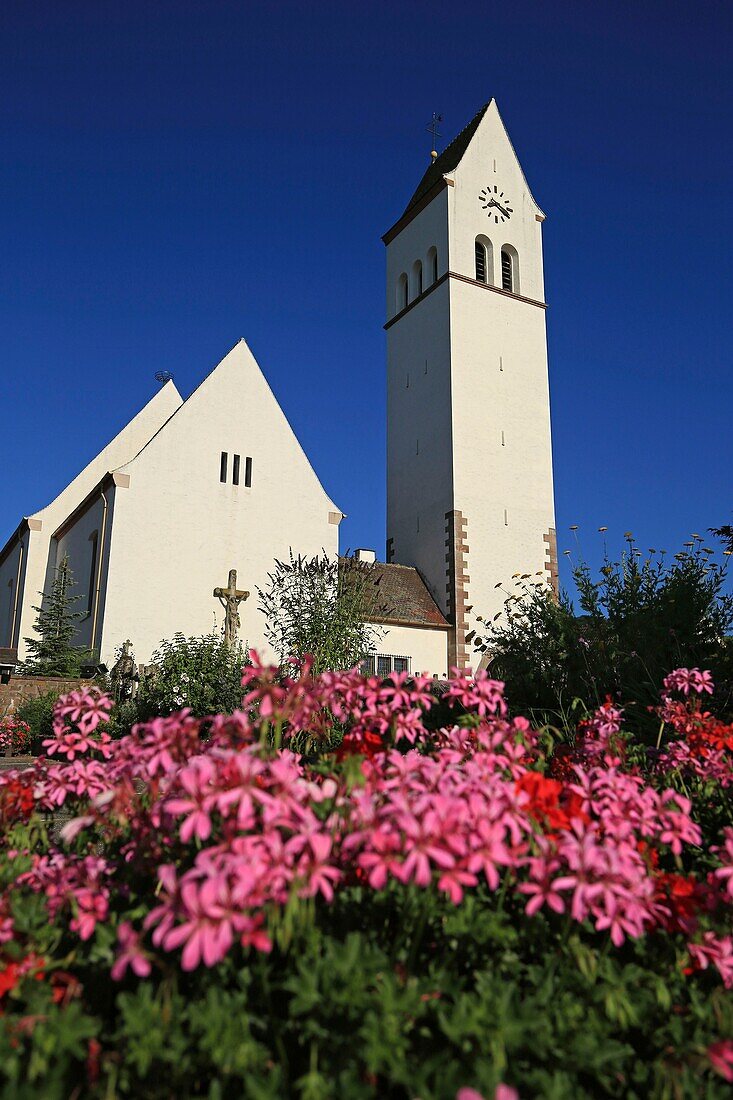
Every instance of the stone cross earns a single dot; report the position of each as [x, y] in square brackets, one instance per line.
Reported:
[230, 599]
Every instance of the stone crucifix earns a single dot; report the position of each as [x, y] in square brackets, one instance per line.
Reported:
[230, 599]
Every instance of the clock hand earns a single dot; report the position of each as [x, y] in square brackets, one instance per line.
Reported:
[504, 212]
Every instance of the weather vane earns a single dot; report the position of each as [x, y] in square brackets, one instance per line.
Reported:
[433, 129]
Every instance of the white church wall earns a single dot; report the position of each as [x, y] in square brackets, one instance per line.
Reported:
[426, 647]
[503, 467]
[427, 231]
[419, 439]
[418, 401]
[121, 449]
[178, 530]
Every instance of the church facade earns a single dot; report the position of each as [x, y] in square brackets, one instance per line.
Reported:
[191, 489]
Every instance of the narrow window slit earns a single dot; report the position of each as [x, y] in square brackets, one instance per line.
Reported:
[235, 470]
[223, 467]
[248, 473]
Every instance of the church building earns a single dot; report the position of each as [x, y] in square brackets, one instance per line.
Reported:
[189, 490]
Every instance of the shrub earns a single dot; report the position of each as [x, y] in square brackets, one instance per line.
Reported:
[639, 618]
[37, 714]
[420, 914]
[202, 674]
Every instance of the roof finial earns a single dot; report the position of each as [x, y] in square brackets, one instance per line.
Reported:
[433, 129]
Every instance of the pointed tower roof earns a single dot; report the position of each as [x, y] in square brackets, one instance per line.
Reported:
[437, 174]
[448, 160]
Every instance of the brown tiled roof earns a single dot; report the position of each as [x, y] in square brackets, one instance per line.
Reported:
[448, 159]
[402, 598]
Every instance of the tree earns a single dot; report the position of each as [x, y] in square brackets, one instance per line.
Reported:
[726, 534]
[51, 653]
[640, 618]
[321, 606]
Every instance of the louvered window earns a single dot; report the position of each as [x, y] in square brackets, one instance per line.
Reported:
[480, 262]
[507, 273]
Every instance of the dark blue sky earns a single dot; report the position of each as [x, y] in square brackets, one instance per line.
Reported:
[175, 175]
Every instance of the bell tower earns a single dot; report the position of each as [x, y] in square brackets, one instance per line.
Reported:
[469, 460]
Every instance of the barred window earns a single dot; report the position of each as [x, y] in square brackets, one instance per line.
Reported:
[384, 663]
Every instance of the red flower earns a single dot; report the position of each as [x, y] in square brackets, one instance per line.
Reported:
[360, 744]
[64, 987]
[680, 900]
[94, 1051]
[9, 978]
[551, 803]
[16, 800]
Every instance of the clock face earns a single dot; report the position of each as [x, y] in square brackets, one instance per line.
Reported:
[495, 203]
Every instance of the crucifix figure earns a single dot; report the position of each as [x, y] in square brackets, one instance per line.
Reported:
[230, 599]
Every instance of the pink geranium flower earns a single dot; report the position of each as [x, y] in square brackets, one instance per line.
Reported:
[130, 953]
[720, 1055]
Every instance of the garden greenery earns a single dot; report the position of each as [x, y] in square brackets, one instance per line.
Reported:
[640, 617]
[50, 652]
[320, 606]
[469, 912]
[37, 713]
[202, 674]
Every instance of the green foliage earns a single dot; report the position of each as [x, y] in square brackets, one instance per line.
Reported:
[319, 606]
[640, 618]
[390, 996]
[51, 653]
[200, 673]
[38, 713]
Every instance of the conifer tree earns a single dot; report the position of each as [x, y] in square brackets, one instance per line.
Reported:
[51, 653]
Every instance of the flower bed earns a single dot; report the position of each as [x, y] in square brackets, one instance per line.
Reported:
[413, 914]
[15, 736]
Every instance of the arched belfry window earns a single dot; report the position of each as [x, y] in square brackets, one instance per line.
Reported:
[403, 293]
[417, 279]
[484, 260]
[480, 253]
[509, 269]
[433, 264]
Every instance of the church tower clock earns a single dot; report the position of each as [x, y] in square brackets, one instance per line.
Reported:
[469, 461]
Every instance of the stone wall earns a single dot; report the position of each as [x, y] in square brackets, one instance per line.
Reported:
[21, 688]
